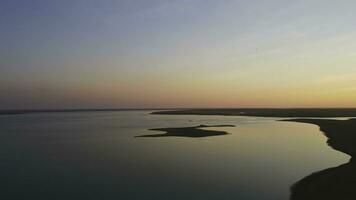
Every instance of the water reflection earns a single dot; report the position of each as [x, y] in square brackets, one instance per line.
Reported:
[96, 156]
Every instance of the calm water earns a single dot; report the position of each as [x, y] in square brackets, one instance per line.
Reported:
[95, 155]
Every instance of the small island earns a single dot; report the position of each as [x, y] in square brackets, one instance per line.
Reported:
[193, 132]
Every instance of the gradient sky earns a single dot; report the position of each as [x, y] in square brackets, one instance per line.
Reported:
[177, 53]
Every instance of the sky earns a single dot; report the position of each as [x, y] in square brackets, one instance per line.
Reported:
[177, 53]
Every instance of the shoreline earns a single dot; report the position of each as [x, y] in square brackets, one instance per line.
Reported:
[341, 134]
[337, 182]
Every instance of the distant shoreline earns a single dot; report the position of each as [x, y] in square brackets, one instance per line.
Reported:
[267, 112]
[256, 112]
[30, 111]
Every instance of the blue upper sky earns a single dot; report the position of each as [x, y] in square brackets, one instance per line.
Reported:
[177, 53]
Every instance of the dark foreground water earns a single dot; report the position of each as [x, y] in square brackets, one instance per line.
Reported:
[94, 155]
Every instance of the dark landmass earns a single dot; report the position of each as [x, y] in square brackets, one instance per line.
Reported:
[333, 183]
[194, 131]
[267, 112]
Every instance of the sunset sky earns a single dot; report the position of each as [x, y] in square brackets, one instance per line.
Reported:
[177, 53]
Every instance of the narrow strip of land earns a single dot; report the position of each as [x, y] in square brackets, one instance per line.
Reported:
[195, 131]
[266, 112]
